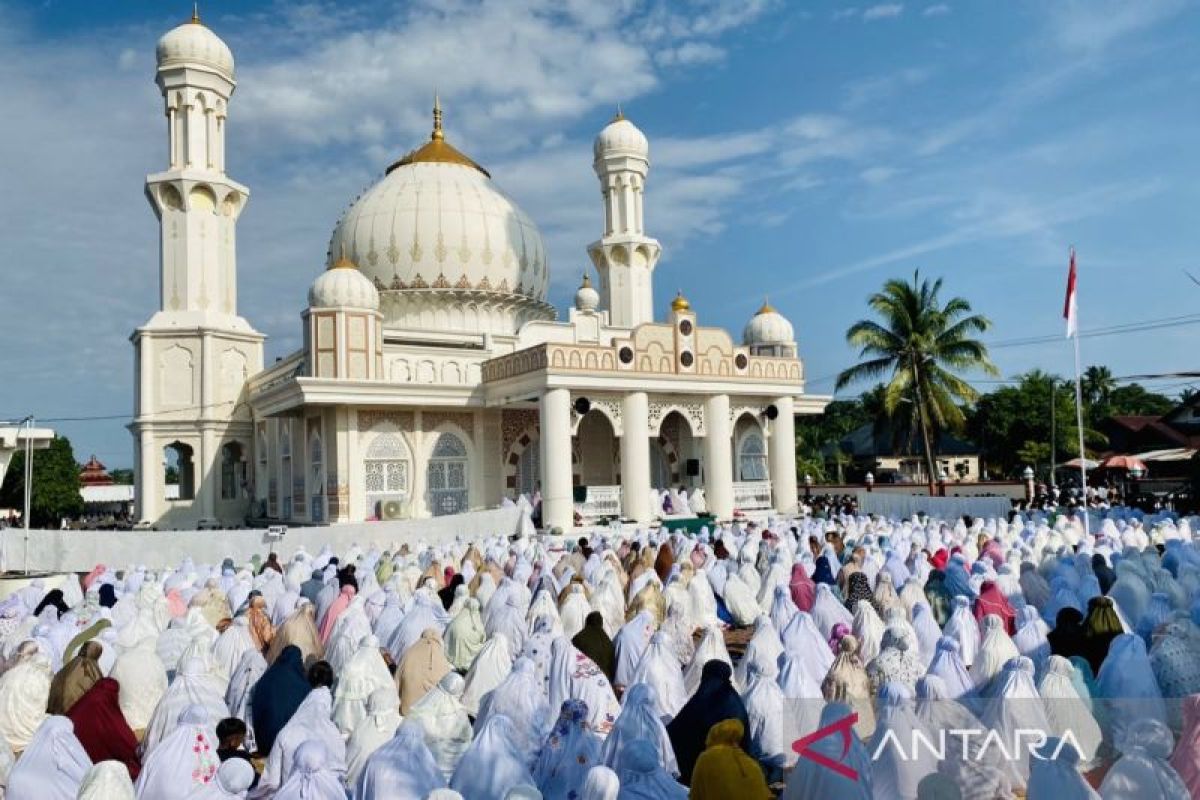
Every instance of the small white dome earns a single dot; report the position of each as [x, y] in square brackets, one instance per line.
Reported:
[768, 327]
[343, 286]
[193, 43]
[587, 298]
[621, 137]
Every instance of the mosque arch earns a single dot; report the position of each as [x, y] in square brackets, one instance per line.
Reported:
[447, 474]
[179, 458]
[387, 474]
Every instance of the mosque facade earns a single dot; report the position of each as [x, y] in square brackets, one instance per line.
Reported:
[435, 378]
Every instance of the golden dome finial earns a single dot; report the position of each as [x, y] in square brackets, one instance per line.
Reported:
[196, 12]
[343, 262]
[618, 116]
[437, 135]
[767, 308]
[680, 303]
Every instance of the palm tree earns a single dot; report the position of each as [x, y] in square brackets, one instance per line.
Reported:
[921, 343]
[1097, 385]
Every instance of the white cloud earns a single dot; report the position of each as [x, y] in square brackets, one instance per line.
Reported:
[936, 10]
[877, 174]
[1089, 27]
[883, 11]
[690, 53]
[845, 13]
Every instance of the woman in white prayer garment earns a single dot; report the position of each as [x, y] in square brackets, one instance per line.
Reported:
[639, 720]
[996, 650]
[630, 643]
[642, 775]
[1067, 711]
[928, 632]
[963, 628]
[231, 645]
[704, 602]
[948, 665]
[492, 764]
[232, 781]
[445, 722]
[938, 712]
[868, 628]
[783, 607]
[143, 680]
[311, 721]
[1143, 770]
[312, 777]
[601, 783]
[379, 725]
[812, 780]
[363, 674]
[712, 646]
[828, 611]
[772, 729]
[52, 767]
[24, 693]
[899, 764]
[1015, 706]
[184, 760]
[659, 668]
[348, 632]
[1030, 638]
[193, 686]
[521, 697]
[573, 674]
[237, 696]
[1126, 687]
[1055, 774]
[802, 637]
[402, 767]
[740, 601]
[573, 610]
[568, 753]
[491, 666]
[108, 780]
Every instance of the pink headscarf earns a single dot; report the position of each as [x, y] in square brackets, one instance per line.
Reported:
[175, 604]
[96, 572]
[804, 591]
[1186, 758]
[336, 610]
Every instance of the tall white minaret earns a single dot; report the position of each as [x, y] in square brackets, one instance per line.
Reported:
[625, 257]
[194, 355]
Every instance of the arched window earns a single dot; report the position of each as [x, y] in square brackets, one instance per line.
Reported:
[752, 458]
[385, 474]
[233, 471]
[447, 476]
[529, 470]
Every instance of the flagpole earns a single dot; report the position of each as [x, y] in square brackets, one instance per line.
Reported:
[1071, 312]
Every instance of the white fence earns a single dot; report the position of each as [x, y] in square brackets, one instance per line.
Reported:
[79, 551]
[752, 495]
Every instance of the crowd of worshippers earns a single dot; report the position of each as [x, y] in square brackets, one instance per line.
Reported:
[600, 668]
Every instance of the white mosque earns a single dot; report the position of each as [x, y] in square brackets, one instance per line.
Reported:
[435, 378]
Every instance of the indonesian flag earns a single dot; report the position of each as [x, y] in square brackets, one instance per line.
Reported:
[1069, 313]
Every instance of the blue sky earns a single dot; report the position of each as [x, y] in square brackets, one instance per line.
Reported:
[807, 151]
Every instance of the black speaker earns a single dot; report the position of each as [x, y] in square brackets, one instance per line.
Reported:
[582, 406]
[771, 411]
[692, 467]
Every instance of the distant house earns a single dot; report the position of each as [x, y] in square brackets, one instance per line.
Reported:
[871, 448]
[1167, 444]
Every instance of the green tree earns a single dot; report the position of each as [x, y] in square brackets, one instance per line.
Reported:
[121, 476]
[1097, 385]
[1135, 400]
[55, 484]
[1035, 454]
[920, 344]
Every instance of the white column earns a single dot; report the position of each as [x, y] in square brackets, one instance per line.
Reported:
[207, 475]
[782, 456]
[149, 480]
[635, 457]
[558, 507]
[718, 457]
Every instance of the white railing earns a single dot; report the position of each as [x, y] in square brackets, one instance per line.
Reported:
[752, 495]
[602, 501]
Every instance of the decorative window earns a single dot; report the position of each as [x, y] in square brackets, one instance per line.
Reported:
[447, 476]
[285, 466]
[316, 472]
[385, 472]
[752, 458]
[233, 471]
[529, 470]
